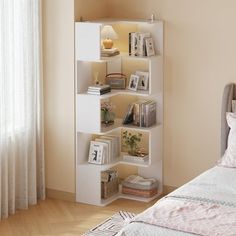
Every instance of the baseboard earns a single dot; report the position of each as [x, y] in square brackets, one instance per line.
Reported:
[60, 195]
[168, 189]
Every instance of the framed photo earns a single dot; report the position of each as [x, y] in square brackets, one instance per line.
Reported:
[96, 153]
[133, 82]
[143, 79]
[150, 47]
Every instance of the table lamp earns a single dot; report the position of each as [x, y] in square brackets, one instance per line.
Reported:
[107, 34]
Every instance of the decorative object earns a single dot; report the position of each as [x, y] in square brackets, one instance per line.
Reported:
[131, 142]
[133, 82]
[96, 152]
[116, 80]
[108, 34]
[143, 80]
[107, 115]
[150, 47]
[112, 225]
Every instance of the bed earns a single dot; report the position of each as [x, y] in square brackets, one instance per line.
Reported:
[207, 204]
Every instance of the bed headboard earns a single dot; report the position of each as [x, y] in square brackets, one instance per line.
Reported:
[228, 95]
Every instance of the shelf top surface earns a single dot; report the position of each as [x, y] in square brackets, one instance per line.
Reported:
[117, 20]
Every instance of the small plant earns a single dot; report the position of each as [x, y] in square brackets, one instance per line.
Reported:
[107, 116]
[131, 141]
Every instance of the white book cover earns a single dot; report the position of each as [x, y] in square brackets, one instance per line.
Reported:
[108, 158]
[96, 151]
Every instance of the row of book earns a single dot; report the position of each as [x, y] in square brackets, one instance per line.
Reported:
[99, 89]
[139, 186]
[141, 113]
[104, 149]
[141, 44]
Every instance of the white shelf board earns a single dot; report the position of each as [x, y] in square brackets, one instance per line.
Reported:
[109, 200]
[103, 167]
[133, 163]
[117, 20]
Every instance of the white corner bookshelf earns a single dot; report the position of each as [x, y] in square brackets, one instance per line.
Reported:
[88, 60]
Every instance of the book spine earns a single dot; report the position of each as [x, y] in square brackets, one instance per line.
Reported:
[130, 42]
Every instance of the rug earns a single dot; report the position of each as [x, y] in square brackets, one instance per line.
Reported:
[112, 225]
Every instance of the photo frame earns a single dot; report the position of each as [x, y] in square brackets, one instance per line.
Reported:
[143, 79]
[150, 46]
[133, 82]
[96, 153]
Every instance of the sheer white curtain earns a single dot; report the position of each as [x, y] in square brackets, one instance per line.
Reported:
[21, 123]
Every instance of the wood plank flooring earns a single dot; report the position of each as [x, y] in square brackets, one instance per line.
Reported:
[57, 218]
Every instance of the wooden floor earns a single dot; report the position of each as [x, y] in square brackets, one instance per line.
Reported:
[55, 217]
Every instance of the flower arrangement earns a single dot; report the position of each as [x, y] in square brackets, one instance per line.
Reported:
[131, 141]
[107, 114]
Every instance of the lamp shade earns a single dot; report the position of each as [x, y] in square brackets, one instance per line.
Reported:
[108, 32]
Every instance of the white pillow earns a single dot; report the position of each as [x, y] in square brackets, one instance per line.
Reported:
[229, 157]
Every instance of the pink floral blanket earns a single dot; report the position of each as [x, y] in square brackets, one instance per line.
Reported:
[201, 218]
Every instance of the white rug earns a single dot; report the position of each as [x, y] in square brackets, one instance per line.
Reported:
[112, 225]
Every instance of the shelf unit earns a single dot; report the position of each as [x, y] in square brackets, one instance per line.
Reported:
[88, 116]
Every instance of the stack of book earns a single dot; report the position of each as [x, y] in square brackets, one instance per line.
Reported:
[99, 89]
[104, 149]
[109, 183]
[141, 113]
[139, 186]
[141, 44]
[109, 52]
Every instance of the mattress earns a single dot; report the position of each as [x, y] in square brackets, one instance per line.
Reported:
[215, 185]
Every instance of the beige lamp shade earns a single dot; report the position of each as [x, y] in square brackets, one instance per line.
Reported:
[107, 34]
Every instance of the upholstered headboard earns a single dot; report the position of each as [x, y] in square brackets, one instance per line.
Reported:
[228, 95]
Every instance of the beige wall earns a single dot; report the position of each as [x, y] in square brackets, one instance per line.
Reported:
[90, 9]
[58, 49]
[200, 56]
[200, 52]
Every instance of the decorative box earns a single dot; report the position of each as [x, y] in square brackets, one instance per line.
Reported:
[108, 189]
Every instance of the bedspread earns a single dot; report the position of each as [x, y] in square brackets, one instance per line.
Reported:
[202, 218]
[214, 190]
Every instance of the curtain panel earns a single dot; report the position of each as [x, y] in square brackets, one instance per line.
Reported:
[21, 107]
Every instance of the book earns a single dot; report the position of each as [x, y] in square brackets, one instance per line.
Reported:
[98, 87]
[133, 44]
[108, 158]
[110, 52]
[150, 46]
[142, 43]
[150, 114]
[98, 92]
[96, 152]
[129, 115]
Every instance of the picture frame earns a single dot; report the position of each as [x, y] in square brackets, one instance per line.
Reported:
[96, 153]
[133, 82]
[150, 46]
[143, 80]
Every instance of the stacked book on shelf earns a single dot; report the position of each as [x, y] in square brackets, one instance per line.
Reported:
[109, 183]
[109, 52]
[104, 149]
[99, 89]
[141, 44]
[139, 186]
[141, 113]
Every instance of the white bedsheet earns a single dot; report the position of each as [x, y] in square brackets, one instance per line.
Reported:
[217, 184]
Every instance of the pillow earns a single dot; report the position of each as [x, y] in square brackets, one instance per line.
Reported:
[229, 157]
